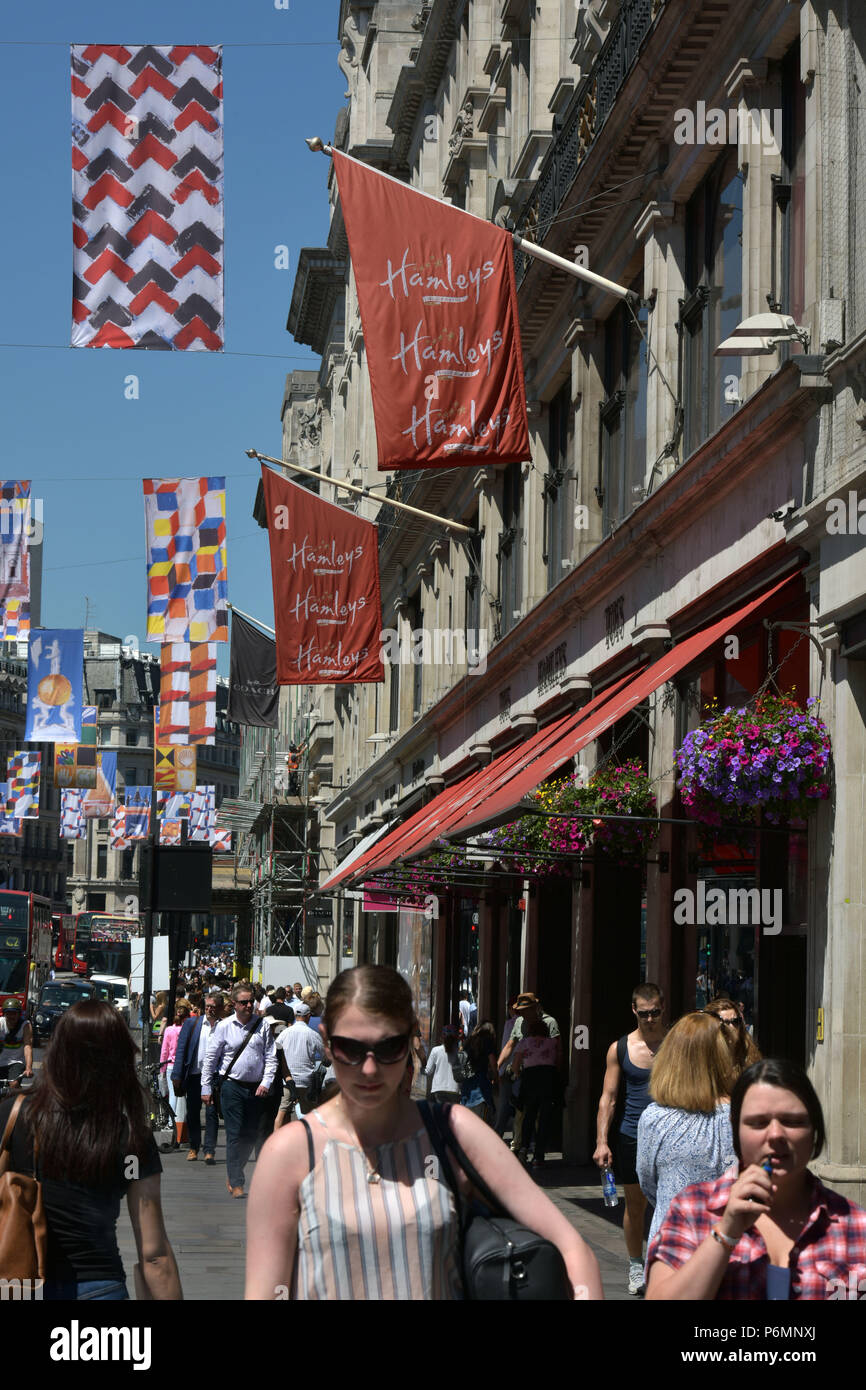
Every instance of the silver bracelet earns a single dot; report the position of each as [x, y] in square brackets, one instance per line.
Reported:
[723, 1239]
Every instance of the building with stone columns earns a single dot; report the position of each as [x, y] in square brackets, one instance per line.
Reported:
[704, 153]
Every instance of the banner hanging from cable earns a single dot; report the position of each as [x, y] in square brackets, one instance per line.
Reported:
[55, 676]
[327, 601]
[254, 694]
[15, 526]
[187, 578]
[147, 197]
[438, 305]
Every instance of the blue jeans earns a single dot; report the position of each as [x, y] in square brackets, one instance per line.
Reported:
[93, 1290]
[242, 1110]
[193, 1117]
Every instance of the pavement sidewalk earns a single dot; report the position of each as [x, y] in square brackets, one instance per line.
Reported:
[207, 1227]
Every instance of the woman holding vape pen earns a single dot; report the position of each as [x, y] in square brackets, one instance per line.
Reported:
[774, 1231]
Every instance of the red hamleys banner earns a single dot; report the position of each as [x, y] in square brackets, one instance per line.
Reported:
[327, 602]
[439, 312]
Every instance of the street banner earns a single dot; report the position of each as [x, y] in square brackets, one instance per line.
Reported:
[72, 822]
[170, 832]
[54, 679]
[23, 773]
[185, 534]
[173, 805]
[254, 694]
[119, 837]
[147, 197]
[9, 825]
[438, 305]
[202, 813]
[327, 602]
[187, 692]
[100, 800]
[221, 841]
[136, 801]
[174, 767]
[14, 559]
[75, 763]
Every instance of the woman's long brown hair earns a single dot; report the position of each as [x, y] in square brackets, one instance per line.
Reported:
[88, 1111]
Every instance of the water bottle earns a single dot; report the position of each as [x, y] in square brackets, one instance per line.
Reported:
[608, 1187]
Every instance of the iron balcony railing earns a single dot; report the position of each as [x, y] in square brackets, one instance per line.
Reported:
[584, 119]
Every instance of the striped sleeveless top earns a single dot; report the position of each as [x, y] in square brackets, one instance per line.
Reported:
[394, 1239]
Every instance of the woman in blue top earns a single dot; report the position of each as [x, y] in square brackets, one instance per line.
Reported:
[685, 1135]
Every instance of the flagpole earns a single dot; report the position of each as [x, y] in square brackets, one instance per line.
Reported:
[234, 608]
[362, 492]
[529, 248]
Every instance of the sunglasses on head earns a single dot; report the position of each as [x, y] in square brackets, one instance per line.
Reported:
[387, 1052]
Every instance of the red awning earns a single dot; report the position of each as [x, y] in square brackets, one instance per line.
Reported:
[612, 709]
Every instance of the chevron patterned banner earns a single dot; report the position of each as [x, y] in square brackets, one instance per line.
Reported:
[147, 197]
[120, 838]
[187, 583]
[187, 692]
[72, 823]
[23, 770]
[14, 559]
[221, 841]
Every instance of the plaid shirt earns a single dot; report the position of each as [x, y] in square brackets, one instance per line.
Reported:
[831, 1246]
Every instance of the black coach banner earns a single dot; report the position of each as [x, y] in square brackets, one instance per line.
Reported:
[253, 691]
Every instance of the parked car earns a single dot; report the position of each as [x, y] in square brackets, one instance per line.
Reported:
[119, 988]
[56, 996]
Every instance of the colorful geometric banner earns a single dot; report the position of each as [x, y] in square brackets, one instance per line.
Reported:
[187, 586]
[147, 197]
[75, 763]
[438, 305]
[202, 814]
[72, 823]
[23, 771]
[100, 800]
[9, 825]
[170, 832]
[173, 805]
[174, 767]
[14, 559]
[187, 692]
[136, 802]
[221, 841]
[325, 575]
[119, 838]
[54, 680]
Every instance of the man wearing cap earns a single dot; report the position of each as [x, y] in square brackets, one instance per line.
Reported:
[527, 1009]
[300, 1051]
[16, 1038]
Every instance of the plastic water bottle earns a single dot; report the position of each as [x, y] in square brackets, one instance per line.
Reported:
[608, 1187]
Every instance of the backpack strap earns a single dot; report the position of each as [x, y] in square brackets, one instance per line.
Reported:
[622, 1050]
[311, 1148]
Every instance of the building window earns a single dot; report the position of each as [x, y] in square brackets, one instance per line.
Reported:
[101, 861]
[394, 695]
[417, 652]
[510, 547]
[557, 533]
[472, 625]
[132, 738]
[789, 192]
[713, 307]
[623, 417]
[127, 859]
[103, 699]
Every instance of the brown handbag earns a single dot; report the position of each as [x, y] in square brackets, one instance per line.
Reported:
[23, 1228]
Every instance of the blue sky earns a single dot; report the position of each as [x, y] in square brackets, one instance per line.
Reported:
[64, 418]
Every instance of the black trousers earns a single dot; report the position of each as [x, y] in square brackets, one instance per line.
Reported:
[537, 1090]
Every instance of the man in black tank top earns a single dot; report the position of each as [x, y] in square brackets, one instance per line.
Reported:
[629, 1061]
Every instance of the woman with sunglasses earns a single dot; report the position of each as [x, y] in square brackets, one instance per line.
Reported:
[773, 1230]
[741, 1045]
[350, 1204]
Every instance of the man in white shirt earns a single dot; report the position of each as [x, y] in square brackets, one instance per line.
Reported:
[189, 1061]
[301, 1051]
[245, 1079]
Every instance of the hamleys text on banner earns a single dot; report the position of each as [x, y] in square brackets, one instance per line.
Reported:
[438, 307]
[327, 601]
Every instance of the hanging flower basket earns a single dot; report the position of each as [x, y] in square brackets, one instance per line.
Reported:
[772, 758]
[614, 791]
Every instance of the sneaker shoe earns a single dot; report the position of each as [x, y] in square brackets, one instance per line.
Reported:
[209, 1160]
[636, 1280]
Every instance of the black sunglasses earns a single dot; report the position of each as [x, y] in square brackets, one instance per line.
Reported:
[386, 1052]
[648, 1013]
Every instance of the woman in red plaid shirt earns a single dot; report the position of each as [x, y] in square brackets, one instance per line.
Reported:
[773, 1231]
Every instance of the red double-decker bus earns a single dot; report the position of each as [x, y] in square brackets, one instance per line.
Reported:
[25, 947]
[95, 941]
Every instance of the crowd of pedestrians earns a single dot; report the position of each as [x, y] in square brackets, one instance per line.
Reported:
[332, 1096]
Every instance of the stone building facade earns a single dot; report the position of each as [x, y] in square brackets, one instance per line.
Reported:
[705, 156]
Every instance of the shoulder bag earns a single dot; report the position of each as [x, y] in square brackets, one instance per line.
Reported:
[500, 1257]
[23, 1227]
